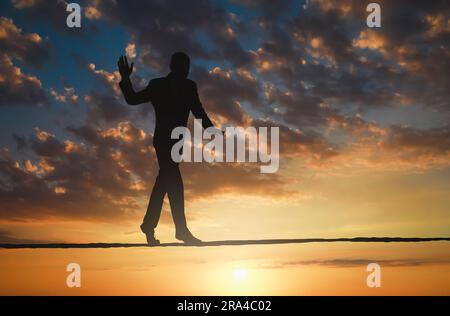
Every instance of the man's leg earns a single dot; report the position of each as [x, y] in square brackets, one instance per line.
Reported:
[170, 181]
[175, 192]
[155, 203]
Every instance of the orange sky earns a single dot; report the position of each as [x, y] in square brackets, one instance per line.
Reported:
[301, 269]
[370, 204]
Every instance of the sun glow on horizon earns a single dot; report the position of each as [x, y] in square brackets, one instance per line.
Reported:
[240, 274]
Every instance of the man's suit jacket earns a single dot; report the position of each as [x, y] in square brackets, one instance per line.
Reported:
[173, 99]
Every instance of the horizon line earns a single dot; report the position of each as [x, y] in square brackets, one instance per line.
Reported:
[220, 242]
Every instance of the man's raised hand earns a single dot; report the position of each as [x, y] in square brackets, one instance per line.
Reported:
[125, 69]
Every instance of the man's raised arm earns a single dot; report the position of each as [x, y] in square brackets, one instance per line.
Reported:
[132, 97]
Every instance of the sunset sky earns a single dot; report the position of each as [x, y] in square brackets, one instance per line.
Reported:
[364, 118]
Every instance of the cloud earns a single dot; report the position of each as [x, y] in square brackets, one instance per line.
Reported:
[131, 50]
[109, 106]
[178, 30]
[109, 79]
[8, 238]
[310, 66]
[68, 95]
[17, 88]
[395, 148]
[20, 141]
[410, 52]
[104, 178]
[106, 174]
[270, 10]
[105, 108]
[223, 91]
[357, 262]
[326, 55]
[30, 49]
[416, 148]
[212, 180]
[51, 11]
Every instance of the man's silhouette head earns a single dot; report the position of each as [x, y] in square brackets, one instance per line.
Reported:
[179, 64]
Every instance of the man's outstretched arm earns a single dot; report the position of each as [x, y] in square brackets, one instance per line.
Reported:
[198, 110]
[132, 97]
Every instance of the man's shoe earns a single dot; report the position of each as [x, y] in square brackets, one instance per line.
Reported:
[187, 237]
[150, 234]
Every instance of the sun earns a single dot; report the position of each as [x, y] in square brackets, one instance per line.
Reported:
[240, 274]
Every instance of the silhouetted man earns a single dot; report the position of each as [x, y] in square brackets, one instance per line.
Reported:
[173, 98]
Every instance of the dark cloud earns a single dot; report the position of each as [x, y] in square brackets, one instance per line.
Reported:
[222, 92]
[163, 27]
[325, 62]
[104, 173]
[105, 108]
[47, 145]
[54, 12]
[208, 180]
[67, 95]
[357, 262]
[8, 238]
[269, 9]
[17, 88]
[21, 142]
[30, 49]
[428, 142]
[102, 178]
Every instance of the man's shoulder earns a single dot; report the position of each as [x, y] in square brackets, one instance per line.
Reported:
[160, 80]
[164, 81]
[191, 83]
